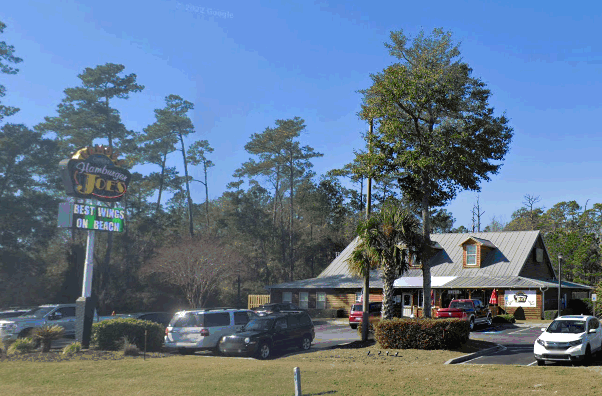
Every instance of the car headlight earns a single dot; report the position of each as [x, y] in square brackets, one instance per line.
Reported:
[247, 340]
[541, 342]
[576, 342]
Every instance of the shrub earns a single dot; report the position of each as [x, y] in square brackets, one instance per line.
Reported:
[72, 348]
[5, 345]
[421, 333]
[21, 346]
[130, 349]
[47, 334]
[507, 318]
[108, 334]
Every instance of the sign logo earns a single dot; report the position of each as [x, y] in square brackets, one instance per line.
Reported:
[95, 173]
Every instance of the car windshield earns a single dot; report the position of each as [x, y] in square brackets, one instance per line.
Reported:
[38, 313]
[259, 324]
[357, 307]
[567, 326]
[461, 305]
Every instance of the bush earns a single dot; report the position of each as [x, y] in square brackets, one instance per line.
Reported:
[507, 318]
[130, 349]
[72, 348]
[21, 346]
[47, 334]
[421, 333]
[108, 334]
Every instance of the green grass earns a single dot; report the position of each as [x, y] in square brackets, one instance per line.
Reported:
[337, 372]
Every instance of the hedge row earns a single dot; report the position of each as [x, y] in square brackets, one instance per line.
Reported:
[421, 333]
[108, 335]
[507, 318]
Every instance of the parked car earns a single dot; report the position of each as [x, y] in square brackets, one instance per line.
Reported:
[357, 310]
[471, 310]
[195, 330]
[271, 308]
[569, 338]
[266, 333]
[51, 314]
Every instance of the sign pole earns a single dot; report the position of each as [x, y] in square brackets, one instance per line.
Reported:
[85, 305]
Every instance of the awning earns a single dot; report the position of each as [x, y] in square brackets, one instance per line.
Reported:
[415, 282]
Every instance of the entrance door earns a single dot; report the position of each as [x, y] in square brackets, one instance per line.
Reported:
[406, 305]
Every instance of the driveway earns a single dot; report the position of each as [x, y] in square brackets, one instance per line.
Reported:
[516, 345]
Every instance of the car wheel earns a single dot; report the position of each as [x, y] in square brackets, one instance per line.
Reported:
[489, 320]
[353, 326]
[306, 343]
[471, 324]
[587, 358]
[541, 362]
[264, 351]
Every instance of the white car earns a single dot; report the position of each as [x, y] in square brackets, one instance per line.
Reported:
[570, 338]
[201, 329]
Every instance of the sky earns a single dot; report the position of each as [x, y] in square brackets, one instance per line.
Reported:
[245, 64]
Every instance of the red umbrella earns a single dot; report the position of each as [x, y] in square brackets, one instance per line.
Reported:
[493, 299]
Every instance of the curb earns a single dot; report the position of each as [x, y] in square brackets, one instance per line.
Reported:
[474, 355]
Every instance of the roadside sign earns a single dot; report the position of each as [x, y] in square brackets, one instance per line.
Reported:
[594, 297]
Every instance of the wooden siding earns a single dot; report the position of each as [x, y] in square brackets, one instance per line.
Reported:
[534, 269]
[522, 312]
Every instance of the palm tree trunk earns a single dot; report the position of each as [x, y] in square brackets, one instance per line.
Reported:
[388, 308]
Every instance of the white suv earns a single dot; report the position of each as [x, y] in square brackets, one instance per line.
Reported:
[569, 338]
[201, 329]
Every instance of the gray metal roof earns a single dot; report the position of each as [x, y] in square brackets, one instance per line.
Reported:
[500, 268]
[512, 250]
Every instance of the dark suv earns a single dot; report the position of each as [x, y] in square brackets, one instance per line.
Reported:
[266, 333]
[276, 307]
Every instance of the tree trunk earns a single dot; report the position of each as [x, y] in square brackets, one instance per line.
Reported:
[276, 195]
[388, 295]
[191, 228]
[206, 194]
[426, 268]
[161, 182]
[290, 231]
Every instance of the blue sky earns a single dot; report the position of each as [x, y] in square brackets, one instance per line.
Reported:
[247, 63]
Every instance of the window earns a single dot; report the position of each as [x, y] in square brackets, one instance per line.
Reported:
[471, 254]
[304, 300]
[281, 323]
[421, 298]
[66, 311]
[293, 321]
[240, 318]
[358, 297]
[287, 297]
[216, 319]
[321, 300]
[304, 319]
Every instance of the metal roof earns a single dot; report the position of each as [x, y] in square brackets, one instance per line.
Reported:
[482, 241]
[500, 268]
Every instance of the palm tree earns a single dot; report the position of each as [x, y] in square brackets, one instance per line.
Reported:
[386, 240]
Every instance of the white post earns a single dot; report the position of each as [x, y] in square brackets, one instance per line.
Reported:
[89, 266]
[297, 381]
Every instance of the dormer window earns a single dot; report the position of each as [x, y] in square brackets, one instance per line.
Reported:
[474, 251]
[471, 254]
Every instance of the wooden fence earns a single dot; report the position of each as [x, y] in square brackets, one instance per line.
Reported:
[256, 300]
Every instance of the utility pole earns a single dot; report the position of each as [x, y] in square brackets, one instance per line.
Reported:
[366, 291]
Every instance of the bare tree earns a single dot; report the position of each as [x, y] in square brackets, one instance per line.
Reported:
[476, 214]
[197, 266]
[529, 202]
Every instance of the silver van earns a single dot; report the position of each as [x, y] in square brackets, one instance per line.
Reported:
[201, 329]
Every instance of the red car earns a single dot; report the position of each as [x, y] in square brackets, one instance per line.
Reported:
[355, 315]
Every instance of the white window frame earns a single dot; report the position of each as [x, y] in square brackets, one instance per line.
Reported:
[289, 295]
[320, 300]
[358, 297]
[304, 300]
[469, 255]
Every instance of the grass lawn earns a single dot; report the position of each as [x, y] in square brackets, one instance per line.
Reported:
[330, 372]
